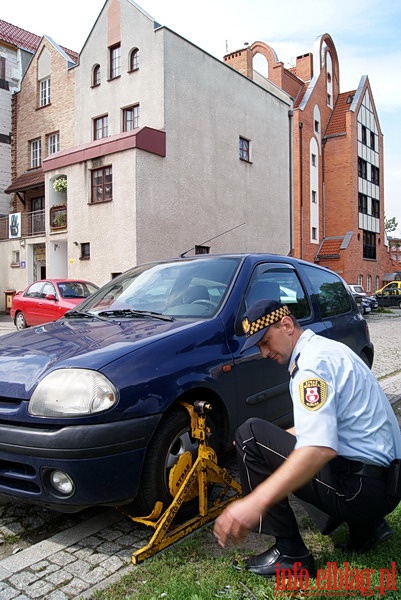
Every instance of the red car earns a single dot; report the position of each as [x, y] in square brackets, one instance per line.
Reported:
[48, 300]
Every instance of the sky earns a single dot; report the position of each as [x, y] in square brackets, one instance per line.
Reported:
[366, 34]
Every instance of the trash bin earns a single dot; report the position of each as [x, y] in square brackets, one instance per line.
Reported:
[8, 299]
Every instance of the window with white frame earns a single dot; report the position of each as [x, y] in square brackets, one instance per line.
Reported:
[44, 92]
[368, 283]
[360, 280]
[131, 118]
[53, 143]
[100, 127]
[115, 61]
[35, 148]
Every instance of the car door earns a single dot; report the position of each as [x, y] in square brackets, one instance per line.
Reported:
[30, 305]
[262, 385]
[48, 309]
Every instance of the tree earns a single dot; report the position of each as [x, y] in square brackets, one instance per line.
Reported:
[390, 224]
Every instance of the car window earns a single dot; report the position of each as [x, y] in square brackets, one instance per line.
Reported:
[330, 292]
[76, 289]
[194, 288]
[278, 282]
[34, 291]
[48, 288]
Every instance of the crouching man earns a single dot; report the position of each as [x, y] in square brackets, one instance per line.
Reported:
[336, 459]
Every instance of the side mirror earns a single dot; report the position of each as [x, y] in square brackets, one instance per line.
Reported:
[51, 297]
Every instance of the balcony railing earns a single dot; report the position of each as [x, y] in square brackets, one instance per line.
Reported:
[32, 223]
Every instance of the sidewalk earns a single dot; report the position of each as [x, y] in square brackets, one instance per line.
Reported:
[75, 563]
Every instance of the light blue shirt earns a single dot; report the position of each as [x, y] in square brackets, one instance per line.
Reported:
[339, 404]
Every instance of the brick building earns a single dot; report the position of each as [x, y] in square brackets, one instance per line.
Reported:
[43, 124]
[17, 47]
[338, 194]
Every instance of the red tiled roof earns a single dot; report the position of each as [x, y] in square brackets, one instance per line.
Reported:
[337, 120]
[19, 37]
[330, 248]
[26, 181]
[25, 39]
[301, 94]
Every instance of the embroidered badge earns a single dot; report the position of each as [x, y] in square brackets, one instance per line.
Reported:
[313, 393]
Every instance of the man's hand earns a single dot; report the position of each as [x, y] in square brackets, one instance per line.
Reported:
[236, 520]
[242, 515]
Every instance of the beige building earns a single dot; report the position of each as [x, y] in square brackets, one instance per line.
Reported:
[171, 149]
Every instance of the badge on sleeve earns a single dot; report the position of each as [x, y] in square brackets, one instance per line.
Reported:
[313, 393]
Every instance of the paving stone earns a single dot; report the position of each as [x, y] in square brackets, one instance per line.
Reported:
[62, 558]
[7, 592]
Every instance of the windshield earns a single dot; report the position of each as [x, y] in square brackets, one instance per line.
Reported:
[186, 288]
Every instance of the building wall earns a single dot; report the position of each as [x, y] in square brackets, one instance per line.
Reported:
[34, 121]
[202, 176]
[164, 205]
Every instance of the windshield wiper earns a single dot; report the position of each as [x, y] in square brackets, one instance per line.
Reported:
[72, 314]
[132, 312]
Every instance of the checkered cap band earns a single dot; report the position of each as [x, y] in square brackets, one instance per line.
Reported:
[264, 321]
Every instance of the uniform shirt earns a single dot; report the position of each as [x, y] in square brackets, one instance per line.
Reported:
[339, 404]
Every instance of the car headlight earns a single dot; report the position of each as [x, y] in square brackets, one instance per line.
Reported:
[72, 392]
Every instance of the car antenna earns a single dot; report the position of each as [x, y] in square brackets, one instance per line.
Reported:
[211, 239]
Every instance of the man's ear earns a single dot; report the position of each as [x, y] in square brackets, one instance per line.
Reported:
[288, 324]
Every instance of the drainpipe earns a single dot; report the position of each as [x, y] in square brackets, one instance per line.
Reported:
[290, 174]
[301, 195]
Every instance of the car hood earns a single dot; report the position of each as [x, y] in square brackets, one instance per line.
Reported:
[25, 356]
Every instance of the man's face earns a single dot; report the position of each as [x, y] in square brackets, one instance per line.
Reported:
[277, 342]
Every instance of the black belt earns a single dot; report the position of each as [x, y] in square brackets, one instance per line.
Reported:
[360, 468]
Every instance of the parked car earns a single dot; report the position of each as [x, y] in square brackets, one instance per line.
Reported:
[356, 289]
[363, 305]
[91, 409]
[390, 298]
[369, 303]
[47, 300]
[389, 288]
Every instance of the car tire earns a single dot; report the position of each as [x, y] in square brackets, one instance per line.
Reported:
[20, 321]
[171, 440]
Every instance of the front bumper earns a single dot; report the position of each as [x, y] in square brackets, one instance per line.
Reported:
[103, 460]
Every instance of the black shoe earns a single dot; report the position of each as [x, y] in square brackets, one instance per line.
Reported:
[379, 534]
[267, 563]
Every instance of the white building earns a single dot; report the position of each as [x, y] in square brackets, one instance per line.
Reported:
[172, 148]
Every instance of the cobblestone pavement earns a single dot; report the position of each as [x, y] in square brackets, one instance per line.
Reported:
[89, 551]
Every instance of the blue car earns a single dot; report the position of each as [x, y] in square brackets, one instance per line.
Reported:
[91, 405]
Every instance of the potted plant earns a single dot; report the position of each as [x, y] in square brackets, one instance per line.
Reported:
[60, 184]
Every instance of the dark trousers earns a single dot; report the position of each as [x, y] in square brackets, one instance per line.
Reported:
[335, 495]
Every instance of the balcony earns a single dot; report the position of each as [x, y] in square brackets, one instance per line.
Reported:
[31, 224]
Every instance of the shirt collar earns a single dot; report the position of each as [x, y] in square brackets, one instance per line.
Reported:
[299, 346]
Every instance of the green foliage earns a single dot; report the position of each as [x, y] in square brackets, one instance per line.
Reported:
[197, 569]
[390, 224]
